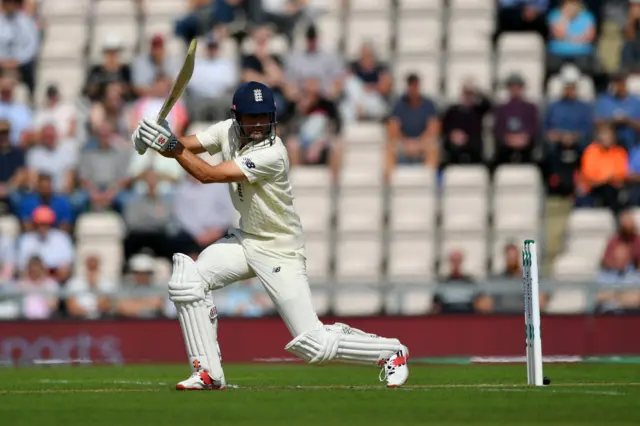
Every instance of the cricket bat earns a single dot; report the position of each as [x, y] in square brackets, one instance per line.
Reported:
[179, 84]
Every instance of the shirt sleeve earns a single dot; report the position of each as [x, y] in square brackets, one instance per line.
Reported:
[602, 109]
[30, 41]
[211, 138]
[260, 165]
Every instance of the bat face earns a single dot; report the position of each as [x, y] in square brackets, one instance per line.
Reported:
[181, 81]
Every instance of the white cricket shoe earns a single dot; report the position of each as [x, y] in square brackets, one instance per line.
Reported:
[395, 370]
[200, 380]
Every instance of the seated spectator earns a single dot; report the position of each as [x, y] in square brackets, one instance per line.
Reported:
[619, 283]
[604, 170]
[111, 70]
[517, 125]
[203, 214]
[149, 65]
[413, 129]
[513, 266]
[631, 49]
[13, 176]
[521, 16]
[245, 299]
[16, 113]
[626, 235]
[284, 14]
[367, 88]
[62, 115]
[50, 244]
[147, 218]
[203, 14]
[167, 173]
[19, 42]
[137, 299]
[102, 171]
[267, 68]
[7, 259]
[572, 30]
[459, 293]
[315, 63]
[150, 106]
[39, 291]
[211, 87]
[316, 126]
[90, 294]
[462, 127]
[53, 158]
[112, 109]
[44, 195]
[621, 110]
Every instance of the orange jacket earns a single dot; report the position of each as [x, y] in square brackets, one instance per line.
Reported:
[601, 165]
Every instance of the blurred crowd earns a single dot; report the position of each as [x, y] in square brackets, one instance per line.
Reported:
[58, 161]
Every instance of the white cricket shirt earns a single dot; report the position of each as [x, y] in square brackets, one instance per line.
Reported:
[265, 202]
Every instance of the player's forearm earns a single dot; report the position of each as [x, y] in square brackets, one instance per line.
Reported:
[201, 170]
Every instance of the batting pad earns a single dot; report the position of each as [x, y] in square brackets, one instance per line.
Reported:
[339, 342]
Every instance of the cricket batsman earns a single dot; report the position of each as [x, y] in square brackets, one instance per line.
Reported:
[269, 244]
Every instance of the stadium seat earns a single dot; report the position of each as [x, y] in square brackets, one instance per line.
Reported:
[411, 258]
[521, 44]
[567, 301]
[370, 6]
[69, 75]
[109, 252]
[360, 302]
[413, 211]
[590, 247]
[473, 6]
[9, 226]
[470, 36]
[358, 258]
[514, 212]
[464, 213]
[591, 222]
[365, 158]
[360, 211]
[321, 299]
[461, 68]
[417, 6]
[58, 46]
[331, 32]
[314, 208]
[409, 301]
[574, 267]
[167, 9]
[162, 272]
[278, 45]
[411, 177]
[372, 29]
[56, 10]
[363, 134]
[310, 178]
[474, 248]
[318, 257]
[100, 225]
[427, 69]
[501, 239]
[360, 179]
[428, 44]
[517, 177]
[114, 8]
[532, 71]
[458, 179]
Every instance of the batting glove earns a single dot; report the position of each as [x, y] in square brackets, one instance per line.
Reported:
[158, 137]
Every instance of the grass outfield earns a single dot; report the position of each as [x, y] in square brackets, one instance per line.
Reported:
[580, 394]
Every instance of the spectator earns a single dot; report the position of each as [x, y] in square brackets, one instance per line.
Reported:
[18, 114]
[211, 87]
[203, 214]
[516, 125]
[201, 18]
[102, 171]
[317, 125]
[604, 170]
[62, 115]
[112, 109]
[39, 291]
[633, 176]
[149, 65]
[462, 127]
[284, 14]
[52, 245]
[572, 31]
[367, 88]
[166, 171]
[147, 218]
[7, 259]
[13, 176]
[138, 299]
[513, 266]
[53, 158]
[618, 283]
[111, 70]
[459, 293]
[46, 196]
[90, 294]
[314, 63]
[627, 235]
[413, 129]
[631, 49]
[150, 106]
[245, 299]
[19, 42]
[267, 68]
[620, 109]
[521, 16]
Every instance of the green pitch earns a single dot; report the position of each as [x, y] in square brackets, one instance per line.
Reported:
[580, 394]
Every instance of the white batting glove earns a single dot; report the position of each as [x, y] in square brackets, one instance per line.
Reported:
[137, 142]
[158, 137]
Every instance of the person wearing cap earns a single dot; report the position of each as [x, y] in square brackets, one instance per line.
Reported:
[517, 125]
[138, 299]
[19, 41]
[13, 174]
[18, 114]
[111, 70]
[620, 109]
[52, 245]
[148, 65]
[212, 84]
[631, 49]
[61, 114]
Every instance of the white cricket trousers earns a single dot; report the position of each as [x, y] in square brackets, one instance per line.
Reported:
[283, 276]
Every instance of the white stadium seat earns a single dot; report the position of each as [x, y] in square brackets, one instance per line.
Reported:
[567, 301]
[375, 30]
[358, 259]
[360, 211]
[462, 68]
[100, 225]
[474, 249]
[464, 213]
[429, 43]
[427, 69]
[317, 249]
[417, 6]
[591, 222]
[409, 302]
[410, 177]
[411, 258]
[574, 267]
[465, 178]
[413, 211]
[9, 226]
[352, 302]
[364, 133]
[518, 177]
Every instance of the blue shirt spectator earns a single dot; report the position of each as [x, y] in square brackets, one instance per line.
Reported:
[569, 115]
[12, 159]
[45, 195]
[414, 118]
[538, 4]
[620, 109]
[572, 28]
[19, 115]
[634, 160]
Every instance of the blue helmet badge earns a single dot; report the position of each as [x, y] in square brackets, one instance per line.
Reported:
[254, 110]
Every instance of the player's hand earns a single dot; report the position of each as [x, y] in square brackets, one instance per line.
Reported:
[156, 136]
[137, 142]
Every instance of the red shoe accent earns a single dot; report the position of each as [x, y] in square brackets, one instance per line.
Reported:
[399, 360]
